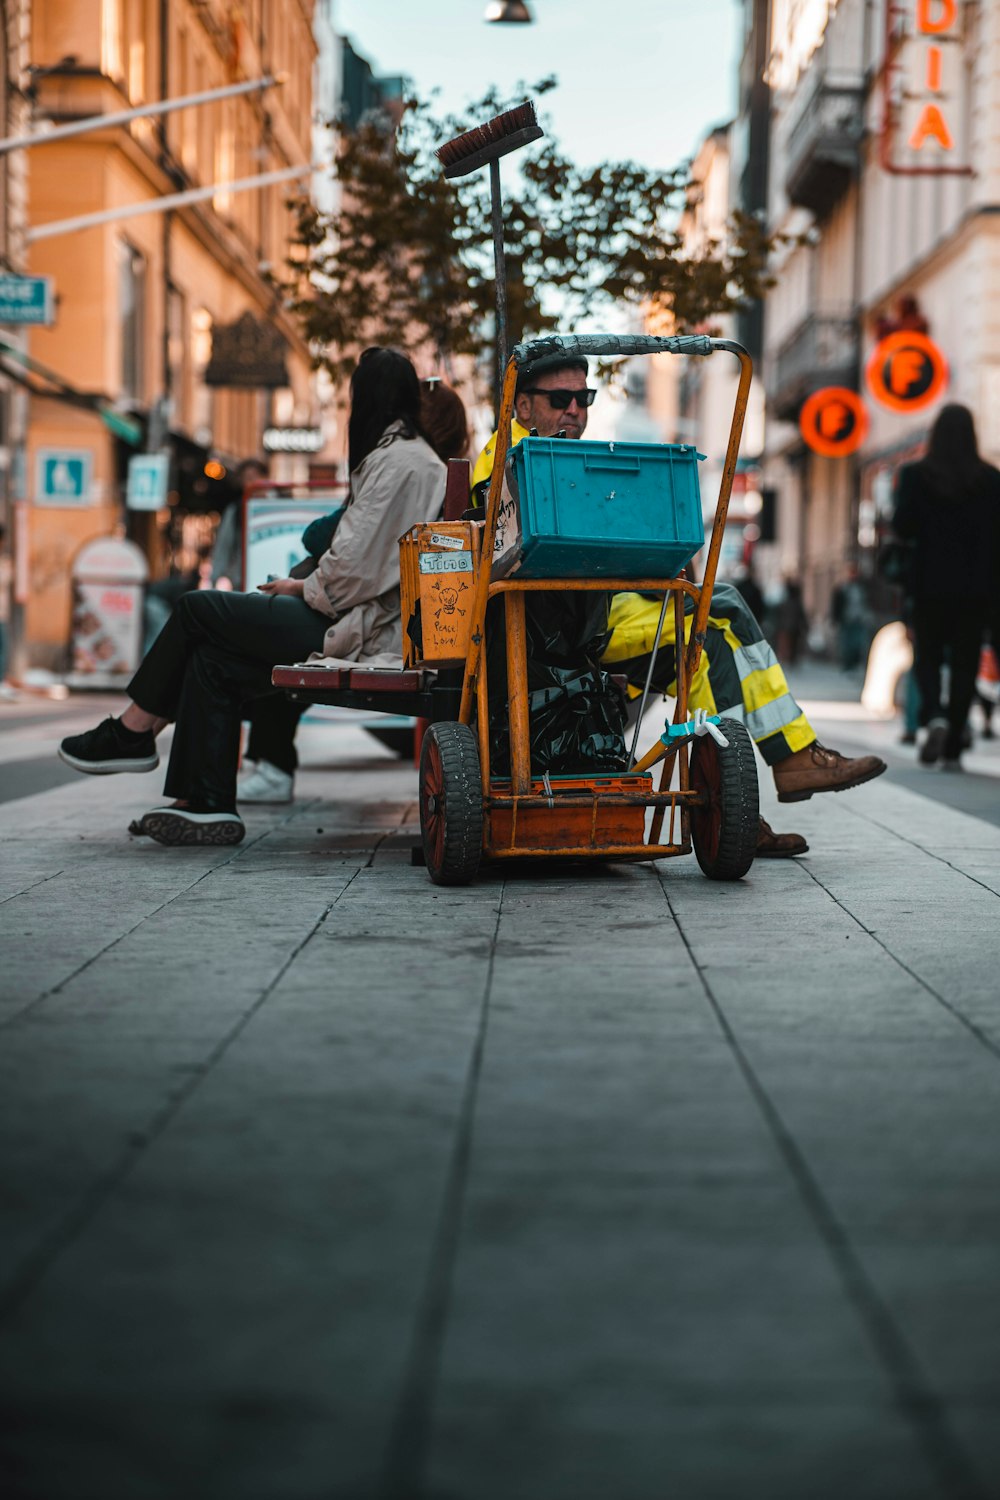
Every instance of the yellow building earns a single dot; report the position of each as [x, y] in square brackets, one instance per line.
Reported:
[141, 300]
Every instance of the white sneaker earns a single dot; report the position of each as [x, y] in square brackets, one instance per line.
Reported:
[265, 783]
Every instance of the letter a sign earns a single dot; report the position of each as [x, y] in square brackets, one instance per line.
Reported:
[925, 81]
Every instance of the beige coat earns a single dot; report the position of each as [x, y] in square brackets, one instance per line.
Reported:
[357, 581]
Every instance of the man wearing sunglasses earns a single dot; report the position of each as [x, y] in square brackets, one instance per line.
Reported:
[739, 674]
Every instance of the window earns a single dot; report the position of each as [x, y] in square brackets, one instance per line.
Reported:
[201, 352]
[178, 347]
[112, 39]
[131, 318]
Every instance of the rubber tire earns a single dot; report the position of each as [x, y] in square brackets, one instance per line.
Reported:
[397, 738]
[725, 832]
[451, 803]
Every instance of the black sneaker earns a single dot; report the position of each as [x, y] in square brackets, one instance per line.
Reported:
[190, 825]
[105, 750]
[932, 748]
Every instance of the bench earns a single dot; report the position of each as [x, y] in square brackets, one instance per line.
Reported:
[417, 693]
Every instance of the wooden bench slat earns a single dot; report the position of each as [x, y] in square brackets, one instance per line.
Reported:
[385, 680]
[319, 679]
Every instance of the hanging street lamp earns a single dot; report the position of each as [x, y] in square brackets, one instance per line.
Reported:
[507, 11]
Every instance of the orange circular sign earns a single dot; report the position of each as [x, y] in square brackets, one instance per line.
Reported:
[907, 371]
[834, 421]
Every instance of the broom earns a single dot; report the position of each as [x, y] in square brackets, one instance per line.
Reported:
[485, 144]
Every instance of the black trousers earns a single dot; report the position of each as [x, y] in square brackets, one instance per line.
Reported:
[213, 656]
[955, 627]
[273, 724]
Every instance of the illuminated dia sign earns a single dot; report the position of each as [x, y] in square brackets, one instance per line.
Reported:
[292, 439]
[834, 422]
[907, 371]
[925, 81]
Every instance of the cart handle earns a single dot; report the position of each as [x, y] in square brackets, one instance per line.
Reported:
[611, 343]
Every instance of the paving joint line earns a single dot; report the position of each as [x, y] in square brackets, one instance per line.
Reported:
[146, 917]
[33, 887]
[981, 1036]
[919, 1403]
[406, 1455]
[922, 848]
[38, 1262]
[222, 864]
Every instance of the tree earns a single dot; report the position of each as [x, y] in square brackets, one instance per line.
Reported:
[407, 258]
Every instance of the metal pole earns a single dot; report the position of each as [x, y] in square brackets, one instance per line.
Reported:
[649, 678]
[141, 112]
[160, 205]
[500, 274]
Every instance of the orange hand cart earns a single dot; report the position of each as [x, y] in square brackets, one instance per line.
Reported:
[707, 787]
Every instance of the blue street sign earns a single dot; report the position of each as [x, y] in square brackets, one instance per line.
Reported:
[62, 476]
[148, 475]
[26, 299]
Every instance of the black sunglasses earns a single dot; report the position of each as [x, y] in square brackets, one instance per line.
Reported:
[561, 398]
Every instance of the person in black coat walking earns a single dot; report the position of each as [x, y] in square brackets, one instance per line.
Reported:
[948, 507]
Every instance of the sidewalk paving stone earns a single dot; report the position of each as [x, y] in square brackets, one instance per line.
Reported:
[321, 1181]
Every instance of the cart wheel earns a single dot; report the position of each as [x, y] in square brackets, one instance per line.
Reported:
[451, 803]
[724, 831]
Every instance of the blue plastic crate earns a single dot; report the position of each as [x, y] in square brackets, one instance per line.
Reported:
[579, 509]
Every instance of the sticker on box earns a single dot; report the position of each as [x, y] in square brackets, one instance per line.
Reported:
[446, 562]
[454, 543]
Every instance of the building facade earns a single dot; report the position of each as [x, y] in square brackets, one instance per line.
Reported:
[169, 332]
[884, 176]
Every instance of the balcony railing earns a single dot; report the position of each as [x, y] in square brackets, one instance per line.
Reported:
[823, 350]
[824, 143]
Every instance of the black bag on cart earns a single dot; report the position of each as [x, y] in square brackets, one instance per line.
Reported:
[576, 714]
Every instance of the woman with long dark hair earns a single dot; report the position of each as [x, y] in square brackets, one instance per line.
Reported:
[216, 652]
[948, 506]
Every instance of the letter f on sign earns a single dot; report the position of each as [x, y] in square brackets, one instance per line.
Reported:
[905, 370]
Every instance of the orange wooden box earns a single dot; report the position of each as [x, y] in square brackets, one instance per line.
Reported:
[438, 566]
[566, 828]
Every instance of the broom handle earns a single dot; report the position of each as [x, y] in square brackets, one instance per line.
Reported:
[500, 273]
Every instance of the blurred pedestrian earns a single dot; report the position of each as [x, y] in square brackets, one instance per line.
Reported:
[227, 551]
[750, 590]
[948, 506]
[218, 648]
[791, 623]
[850, 616]
[163, 593]
[6, 576]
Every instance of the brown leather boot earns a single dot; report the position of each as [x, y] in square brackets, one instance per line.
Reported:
[817, 769]
[771, 845]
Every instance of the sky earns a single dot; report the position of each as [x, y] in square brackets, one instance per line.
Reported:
[641, 79]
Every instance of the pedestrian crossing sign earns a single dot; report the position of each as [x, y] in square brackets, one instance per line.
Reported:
[63, 476]
[148, 478]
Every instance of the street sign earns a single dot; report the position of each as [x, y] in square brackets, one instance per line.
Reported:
[26, 300]
[293, 439]
[148, 479]
[62, 476]
[122, 425]
[907, 371]
[834, 421]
